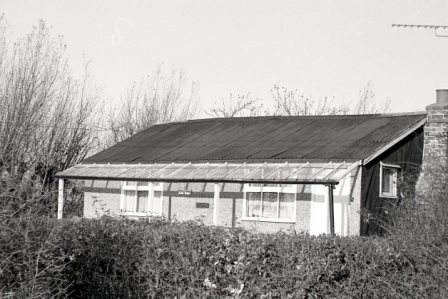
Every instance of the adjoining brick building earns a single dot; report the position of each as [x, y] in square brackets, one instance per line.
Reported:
[316, 174]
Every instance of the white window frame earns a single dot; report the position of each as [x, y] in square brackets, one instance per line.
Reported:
[394, 183]
[150, 188]
[290, 189]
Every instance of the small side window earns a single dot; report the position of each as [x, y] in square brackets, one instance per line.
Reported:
[388, 180]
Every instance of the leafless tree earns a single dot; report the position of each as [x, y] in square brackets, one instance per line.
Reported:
[367, 102]
[292, 102]
[46, 113]
[155, 99]
[244, 105]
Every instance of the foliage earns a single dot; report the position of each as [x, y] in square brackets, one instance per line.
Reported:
[109, 257]
[32, 259]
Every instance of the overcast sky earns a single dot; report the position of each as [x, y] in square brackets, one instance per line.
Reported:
[323, 48]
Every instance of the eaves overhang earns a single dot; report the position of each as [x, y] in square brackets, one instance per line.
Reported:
[395, 141]
[267, 173]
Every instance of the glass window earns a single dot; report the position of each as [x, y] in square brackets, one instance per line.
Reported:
[253, 204]
[388, 180]
[129, 200]
[269, 205]
[142, 201]
[137, 198]
[270, 201]
[286, 206]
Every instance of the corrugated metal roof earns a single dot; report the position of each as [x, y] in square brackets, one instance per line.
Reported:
[262, 139]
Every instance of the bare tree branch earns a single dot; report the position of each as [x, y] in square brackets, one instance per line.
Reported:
[292, 102]
[46, 115]
[155, 99]
[367, 102]
[244, 105]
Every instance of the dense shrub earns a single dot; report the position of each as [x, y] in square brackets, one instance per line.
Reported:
[32, 260]
[112, 258]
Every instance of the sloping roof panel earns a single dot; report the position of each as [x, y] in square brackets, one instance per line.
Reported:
[285, 173]
[262, 139]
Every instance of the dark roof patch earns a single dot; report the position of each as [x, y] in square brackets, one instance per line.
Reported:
[255, 139]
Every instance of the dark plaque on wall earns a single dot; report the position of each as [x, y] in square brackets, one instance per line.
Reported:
[202, 205]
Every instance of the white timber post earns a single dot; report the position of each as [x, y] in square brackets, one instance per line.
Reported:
[150, 204]
[331, 207]
[217, 190]
[60, 198]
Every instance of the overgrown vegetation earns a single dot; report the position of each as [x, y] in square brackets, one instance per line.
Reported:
[111, 258]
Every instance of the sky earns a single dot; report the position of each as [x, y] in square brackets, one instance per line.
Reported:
[322, 48]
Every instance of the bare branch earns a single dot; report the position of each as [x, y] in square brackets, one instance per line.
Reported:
[292, 102]
[155, 99]
[245, 105]
[367, 102]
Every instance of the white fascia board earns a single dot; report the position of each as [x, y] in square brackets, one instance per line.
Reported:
[394, 142]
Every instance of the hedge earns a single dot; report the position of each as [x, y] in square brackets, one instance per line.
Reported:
[118, 258]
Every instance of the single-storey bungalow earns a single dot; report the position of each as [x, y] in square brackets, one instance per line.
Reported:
[316, 174]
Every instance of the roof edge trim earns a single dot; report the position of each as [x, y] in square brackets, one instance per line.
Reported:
[394, 142]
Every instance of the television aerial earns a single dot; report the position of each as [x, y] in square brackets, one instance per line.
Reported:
[433, 27]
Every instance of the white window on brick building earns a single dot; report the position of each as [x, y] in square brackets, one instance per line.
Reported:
[141, 198]
[388, 180]
[270, 202]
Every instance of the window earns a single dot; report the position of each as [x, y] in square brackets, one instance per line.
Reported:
[270, 202]
[388, 180]
[141, 198]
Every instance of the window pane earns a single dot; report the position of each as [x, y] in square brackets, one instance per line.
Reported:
[155, 206]
[129, 201]
[270, 202]
[142, 201]
[388, 174]
[142, 183]
[253, 204]
[128, 183]
[287, 206]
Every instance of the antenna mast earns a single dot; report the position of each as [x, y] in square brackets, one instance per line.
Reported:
[435, 27]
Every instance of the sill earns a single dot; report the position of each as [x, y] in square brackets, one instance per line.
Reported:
[134, 214]
[268, 220]
[388, 196]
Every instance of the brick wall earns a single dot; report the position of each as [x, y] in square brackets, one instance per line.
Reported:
[432, 179]
[354, 207]
[230, 210]
[103, 197]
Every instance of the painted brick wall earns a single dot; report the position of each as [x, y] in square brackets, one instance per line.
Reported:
[184, 208]
[103, 197]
